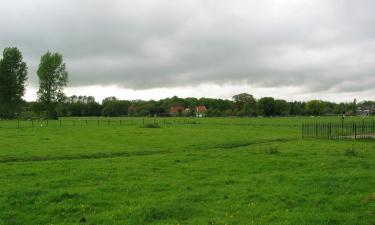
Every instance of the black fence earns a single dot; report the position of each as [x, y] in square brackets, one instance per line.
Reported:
[343, 130]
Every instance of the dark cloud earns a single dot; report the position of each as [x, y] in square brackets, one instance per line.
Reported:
[320, 45]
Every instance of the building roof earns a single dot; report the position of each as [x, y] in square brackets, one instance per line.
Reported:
[176, 109]
[200, 108]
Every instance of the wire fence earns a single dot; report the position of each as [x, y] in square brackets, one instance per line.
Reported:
[343, 130]
[92, 122]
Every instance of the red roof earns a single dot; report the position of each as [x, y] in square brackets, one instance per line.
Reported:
[200, 108]
[176, 109]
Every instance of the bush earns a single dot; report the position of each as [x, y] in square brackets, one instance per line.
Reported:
[151, 125]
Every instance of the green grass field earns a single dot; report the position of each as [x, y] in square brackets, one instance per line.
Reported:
[188, 171]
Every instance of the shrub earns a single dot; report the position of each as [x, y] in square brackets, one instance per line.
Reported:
[151, 125]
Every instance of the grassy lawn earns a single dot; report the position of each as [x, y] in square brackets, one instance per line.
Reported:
[201, 171]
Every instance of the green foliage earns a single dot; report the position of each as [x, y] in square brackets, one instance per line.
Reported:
[13, 75]
[246, 104]
[315, 107]
[53, 77]
[282, 108]
[150, 125]
[115, 108]
[266, 106]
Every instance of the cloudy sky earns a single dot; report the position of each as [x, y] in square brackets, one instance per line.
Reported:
[291, 49]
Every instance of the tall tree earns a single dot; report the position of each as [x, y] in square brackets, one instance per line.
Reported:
[246, 104]
[266, 106]
[315, 107]
[53, 77]
[13, 75]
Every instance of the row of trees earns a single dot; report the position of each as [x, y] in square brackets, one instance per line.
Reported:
[241, 105]
[52, 76]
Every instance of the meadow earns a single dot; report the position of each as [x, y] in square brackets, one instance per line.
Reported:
[182, 171]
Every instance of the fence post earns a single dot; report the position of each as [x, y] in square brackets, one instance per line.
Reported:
[363, 126]
[86, 122]
[302, 130]
[120, 122]
[308, 130]
[98, 122]
[355, 131]
[329, 130]
[143, 121]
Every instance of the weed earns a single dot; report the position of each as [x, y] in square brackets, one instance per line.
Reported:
[351, 152]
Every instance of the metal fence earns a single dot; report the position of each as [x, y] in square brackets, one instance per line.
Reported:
[343, 130]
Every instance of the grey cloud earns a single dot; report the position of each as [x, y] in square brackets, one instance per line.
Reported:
[320, 45]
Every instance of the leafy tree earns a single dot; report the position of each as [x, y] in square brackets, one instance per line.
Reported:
[266, 106]
[53, 77]
[13, 75]
[315, 107]
[281, 108]
[296, 108]
[116, 108]
[246, 104]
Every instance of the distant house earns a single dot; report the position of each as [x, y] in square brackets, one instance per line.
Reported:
[365, 110]
[200, 110]
[176, 110]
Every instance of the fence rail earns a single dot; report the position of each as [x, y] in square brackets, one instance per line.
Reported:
[343, 130]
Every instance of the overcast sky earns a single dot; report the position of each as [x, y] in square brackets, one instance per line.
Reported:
[292, 49]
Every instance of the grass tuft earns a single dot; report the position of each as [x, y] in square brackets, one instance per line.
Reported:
[351, 152]
[272, 150]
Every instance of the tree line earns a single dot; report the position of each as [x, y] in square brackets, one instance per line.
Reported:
[52, 103]
[243, 105]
